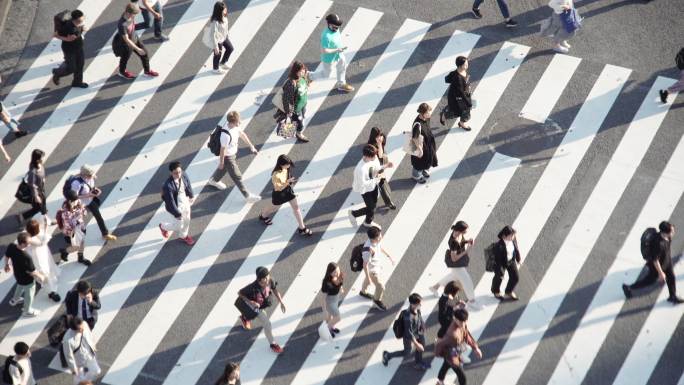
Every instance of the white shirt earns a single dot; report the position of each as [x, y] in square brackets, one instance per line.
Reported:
[230, 142]
[183, 200]
[373, 259]
[72, 340]
[510, 250]
[219, 31]
[363, 182]
[22, 379]
[557, 5]
[83, 189]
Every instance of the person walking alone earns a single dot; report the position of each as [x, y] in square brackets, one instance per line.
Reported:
[218, 37]
[372, 267]
[459, 96]
[80, 351]
[41, 256]
[282, 181]
[554, 27]
[456, 259]
[126, 42]
[72, 216]
[414, 335]
[332, 54]
[332, 288]
[295, 97]
[84, 185]
[231, 375]
[71, 35]
[367, 175]
[503, 7]
[506, 258]
[25, 274]
[11, 123]
[35, 179]
[19, 366]
[378, 139]
[152, 8]
[421, 134]
[679, 86]
[178, 197]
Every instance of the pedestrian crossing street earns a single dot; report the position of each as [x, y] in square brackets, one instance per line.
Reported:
[167, 310]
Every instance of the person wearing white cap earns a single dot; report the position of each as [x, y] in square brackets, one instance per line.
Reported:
[84, 185]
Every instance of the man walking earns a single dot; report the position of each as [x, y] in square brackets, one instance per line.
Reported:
[332, 54]
[11, 123]
[153, 8]
[414, 334]
[503, 7]
[230, 135]
[679, 86]
[372, 267]
[71, 35]
[25, 274]
[84, 185]
[79, 350]
[83, 302]
[366, 178]
[178, 197]
[19, 365]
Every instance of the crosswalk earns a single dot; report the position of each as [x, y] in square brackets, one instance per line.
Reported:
[168, 316]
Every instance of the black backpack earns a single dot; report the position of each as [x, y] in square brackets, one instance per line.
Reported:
[398, 325]
[57, 330]
[679, 60]
[356, 261]
[490, 258]
[60, 19]
[67, 185]
[214, 143]
[649, 243]
[6, 378]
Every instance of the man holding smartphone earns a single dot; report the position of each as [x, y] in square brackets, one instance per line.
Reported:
[84, 185]
[332, 54]
[366, 178]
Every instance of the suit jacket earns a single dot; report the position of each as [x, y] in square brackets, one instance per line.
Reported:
[73, 304]
[78, 352]
[170, 194]
[501, 256]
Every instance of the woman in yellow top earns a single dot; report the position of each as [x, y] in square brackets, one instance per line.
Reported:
[283, 193]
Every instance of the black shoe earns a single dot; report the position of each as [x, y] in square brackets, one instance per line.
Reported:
[627, 291]
[54, 296]
[510, 23]
[476, 13]
[663, 95]
[380, 305]
[83, 261]
[392, 206]
[80, 85]
[63, 255]
[385, 357]
[675, 300]
[20, 133]
[55, 78]
[336, 330]
[365, 295]
[425, 174]
[442, 117]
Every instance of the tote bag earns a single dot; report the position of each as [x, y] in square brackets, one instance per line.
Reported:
[410, 146]
[571, 20]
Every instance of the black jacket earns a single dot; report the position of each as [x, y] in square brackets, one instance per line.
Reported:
[170, 194]
[72, 303]
[459, 92]
[500, 255]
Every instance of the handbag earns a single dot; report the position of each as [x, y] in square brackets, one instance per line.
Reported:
[23, 193]
[286, 130]
[410, 146]
[207, 39]
[247, 311]
[571, 20]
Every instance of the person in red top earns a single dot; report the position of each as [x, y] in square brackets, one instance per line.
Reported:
[450, 347]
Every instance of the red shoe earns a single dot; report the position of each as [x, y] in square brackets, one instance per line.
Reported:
[275, 348]
[165, 233]
[246, 324]
[151, 73]
[188, 240]
[127, 75]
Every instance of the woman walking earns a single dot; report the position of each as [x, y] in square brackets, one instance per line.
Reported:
[378, 139]
[282, 193]
[218, 31]
[295, 97]
[35, 179]
[231, 375]
[459, 96]
[450, 347]
[456, 259]
[507, 258]
[332, 287]
[446, 305]
[421, 135]
[554, 27]
[41, 256]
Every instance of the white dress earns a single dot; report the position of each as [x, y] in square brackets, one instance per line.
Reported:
[42, 258]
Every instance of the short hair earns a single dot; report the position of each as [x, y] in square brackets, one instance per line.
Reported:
[33, 227]
[233, 117]
[132, 9]
[21, 348]
[461, 61]
[72, 196]
[174, 165]
[23, 238]
[415, 298]
[83, 287]
[75, 323]
[423, 108]
[461, 314]
[370, 151]
[76, 13]
[665, 227]
[373, 232]
[451, 288]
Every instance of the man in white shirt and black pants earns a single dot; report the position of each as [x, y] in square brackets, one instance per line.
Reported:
[366, 178]
[79, 349]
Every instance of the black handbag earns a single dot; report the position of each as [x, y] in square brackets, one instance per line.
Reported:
[23, 193]
[245, 309]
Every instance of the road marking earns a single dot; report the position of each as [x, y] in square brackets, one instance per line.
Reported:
[549, 88]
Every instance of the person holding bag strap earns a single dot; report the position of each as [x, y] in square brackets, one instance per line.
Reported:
[290, 101]
[421, 129]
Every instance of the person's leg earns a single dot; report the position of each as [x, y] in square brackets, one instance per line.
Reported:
[184, 223]
[498, 278]
[269, 210]
[513, 277]
[441, 375]
[228, 50]
[144, 59]
[29, 293]
[385, 192]
[462, 275]
[448, 277]
[146, 18]
[28, 214]
[220, 173]
[477, 3]
[371, 202]
[18, 292]
[401, 353]
[123, 60]
[364, 210]
[322, 73]
[460, 374]
[158, 22]
[670, 280]
[647, 280]
[230, 163]
[217, 57]
[679, 86]
[297, 213]
[266, 323]
[67, 67]
[379, 286]
[94, 208]
[416, 174]
[366, 283]
[418, 355]
[79, 63]
[341, 67]
[503, 6]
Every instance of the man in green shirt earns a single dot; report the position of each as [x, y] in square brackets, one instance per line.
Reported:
[332, 54]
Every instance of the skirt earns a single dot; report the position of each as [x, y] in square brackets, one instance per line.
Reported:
[283, 196]
[332, 304]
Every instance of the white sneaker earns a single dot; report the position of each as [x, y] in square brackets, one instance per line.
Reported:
[225, 66]
[219, 71]
[251, 198]
[565, 44]
[219, 185]
[31, 313]
[561, 49]
[352, 219]
[372, 224]
[15, 302]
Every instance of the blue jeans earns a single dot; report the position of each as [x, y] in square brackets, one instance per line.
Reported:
[157, 22]
[502, 6]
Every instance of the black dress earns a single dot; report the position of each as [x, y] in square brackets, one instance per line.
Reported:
[458, 97]
[429, 158]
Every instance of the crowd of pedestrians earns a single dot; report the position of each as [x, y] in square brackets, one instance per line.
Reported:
[30, 258]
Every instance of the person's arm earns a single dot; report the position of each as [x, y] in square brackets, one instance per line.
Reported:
[516, 250]
[128, 41]
[249, 142]
[7, 264]
[69, 355]
[289, 97]
[278, 184]
[659, 269]
[387, 254]
[280, 299]
[150, 9]
[461, 91]
[5, 154]
[215, 36]
[94, 300]
[408, 333]
[222, 155]
[244, 295]
[171, 205]
[36, 275]
[188, 187]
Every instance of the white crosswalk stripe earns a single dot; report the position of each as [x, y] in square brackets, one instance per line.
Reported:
[201, 344]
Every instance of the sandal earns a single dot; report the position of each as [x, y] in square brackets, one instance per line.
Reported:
[267, 221]
[305, 231]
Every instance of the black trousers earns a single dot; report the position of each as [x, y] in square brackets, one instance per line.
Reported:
[35, 208]
[74, 61]
[371, 200]
[226, 54]
[651, 277]
[513, 277]
[457, 369]
[94, 208]
[145, 59]
[406, 352]
[385, 191]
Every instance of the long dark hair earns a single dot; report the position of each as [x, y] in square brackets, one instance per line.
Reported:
[294, 69]
[332, 266]
[217, 14]
[36, 158]
[506, 231]
[282, 161]
[374, 133]
[230, 368]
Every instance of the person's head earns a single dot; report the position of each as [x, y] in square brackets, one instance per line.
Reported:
[425, 111]
[459, 228]
[507, 233]
[263, 276]
[233, 118]
[283, 163]
[334, 22]
[83, 287]
[460, 315]
[87, 171]
[369, 152]
[175, 169]
[377, 138]
[374, 234]
[462, 62]
[36, 158]
[297, 70]
[33, 227]
[220, 11]
[76, 324]
[414, 301]
[666, 228]
[451, 289]
[85, 382]
[72, 198]
[23, 239]
[131, 10]
[332, 271]
[21, 349]
[77, 17]
[231, 373]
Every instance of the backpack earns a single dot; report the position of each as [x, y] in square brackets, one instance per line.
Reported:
[356, 261]
[490, 259]
[679, 60]
[398, 325]
[6, 378]
[214, 143]
[67, 185]
[649, 241]
[57, 330]
[60, 19]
